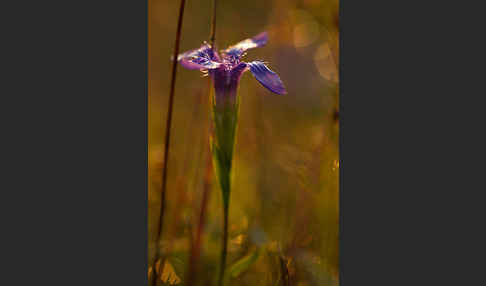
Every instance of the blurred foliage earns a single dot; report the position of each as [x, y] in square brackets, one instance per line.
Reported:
[286, 164]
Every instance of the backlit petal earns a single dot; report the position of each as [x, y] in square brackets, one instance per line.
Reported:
[236, 51]
[266, 77]
[202, 58]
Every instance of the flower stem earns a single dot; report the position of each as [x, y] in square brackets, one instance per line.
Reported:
[225, 119]
[224, 248]
[167, 138]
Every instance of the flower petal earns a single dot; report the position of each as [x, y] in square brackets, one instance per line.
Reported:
[236, 51]
[238, 70]
[266, 77]
[202, 58]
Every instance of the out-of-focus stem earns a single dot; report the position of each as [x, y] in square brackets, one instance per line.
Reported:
[196, 245]
[167, 139]
[284, 272]
[197, 242]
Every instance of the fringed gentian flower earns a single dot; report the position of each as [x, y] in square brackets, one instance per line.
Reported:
[226, 70]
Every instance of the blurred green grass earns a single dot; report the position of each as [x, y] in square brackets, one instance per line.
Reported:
[286, 171]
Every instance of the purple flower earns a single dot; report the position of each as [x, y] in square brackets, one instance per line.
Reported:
[226, 70]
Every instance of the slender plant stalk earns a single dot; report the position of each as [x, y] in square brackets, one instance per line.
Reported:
[224, 242]
[205, 155]
[225, 121]
[196, 244]
[182, 184]
[224, 246]
[212, 38]
[167, 138]
[284, 272]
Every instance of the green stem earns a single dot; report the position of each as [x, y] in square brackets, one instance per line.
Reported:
[223, 151]
[224, 186]
[224, 246]
[225, 121]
